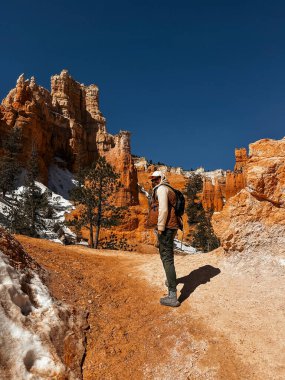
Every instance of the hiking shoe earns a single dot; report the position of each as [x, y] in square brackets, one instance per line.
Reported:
[171, 300]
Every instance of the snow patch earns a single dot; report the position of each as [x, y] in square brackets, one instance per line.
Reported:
[60, 180]
[182, 247]
[59, 204]
[214, 174]
[282, 262]
[25, 345]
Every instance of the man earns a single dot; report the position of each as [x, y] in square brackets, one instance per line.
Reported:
[162, 216]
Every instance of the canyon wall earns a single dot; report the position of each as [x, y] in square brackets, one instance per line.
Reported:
[254, 219]
[220, 186]
[64, 123]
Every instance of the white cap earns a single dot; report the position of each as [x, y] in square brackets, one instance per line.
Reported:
[157, 173]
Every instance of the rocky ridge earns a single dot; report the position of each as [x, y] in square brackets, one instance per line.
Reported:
[66, 122]
[253, 220]
[218, 185]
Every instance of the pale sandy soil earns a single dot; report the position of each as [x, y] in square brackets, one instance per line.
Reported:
[230, 324]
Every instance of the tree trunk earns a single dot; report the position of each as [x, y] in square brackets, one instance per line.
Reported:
[97, 236]
[98, 224]
[91, 235]
[33, 213]
[33, 225]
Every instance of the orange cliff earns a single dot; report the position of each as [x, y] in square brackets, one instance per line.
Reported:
[253, 221]
[241, 159]
[212, 194]
[224, 185]
[63, 123]
[218, 185]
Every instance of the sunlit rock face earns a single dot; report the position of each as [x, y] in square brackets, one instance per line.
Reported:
[241, 159]
[64, 123]
[254, 219]
[212, 195]
[119, 155]
[221, 185]
[235, 181]
[40, 337]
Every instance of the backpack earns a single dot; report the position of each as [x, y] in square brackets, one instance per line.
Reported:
[180, 201]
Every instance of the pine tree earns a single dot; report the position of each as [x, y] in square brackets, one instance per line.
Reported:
[203, 236]
[9, 164]
[194, 208]
[94, 192]
[28, 211]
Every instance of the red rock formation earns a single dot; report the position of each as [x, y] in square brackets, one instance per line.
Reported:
[235, 181]
[218, 190]
[65, 122]
[254, 219]
[119, 155]
[212, 195]
[265, 171]
[241, 159]
[218, 194]
[208, 194]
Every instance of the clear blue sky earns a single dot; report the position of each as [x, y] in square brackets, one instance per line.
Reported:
[191, 80]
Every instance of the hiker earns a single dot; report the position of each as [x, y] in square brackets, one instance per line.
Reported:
[163, 218]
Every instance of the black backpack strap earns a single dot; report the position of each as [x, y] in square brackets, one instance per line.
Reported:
[165, 184]
[162, 184]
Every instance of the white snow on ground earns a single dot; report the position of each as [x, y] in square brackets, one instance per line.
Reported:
[178, 246]
[214, 174]
[62, 180]
[26, 321]
[282, 262]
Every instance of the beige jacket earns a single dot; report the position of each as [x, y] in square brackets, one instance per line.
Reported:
[162, 196]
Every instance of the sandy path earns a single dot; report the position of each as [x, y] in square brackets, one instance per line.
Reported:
[245, 302]
[228, 327]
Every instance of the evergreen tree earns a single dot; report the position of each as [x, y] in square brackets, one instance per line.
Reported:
[203, 236]
[9, 164]
[94, 192]
[194, 208]
[15, 216]
[29, 210]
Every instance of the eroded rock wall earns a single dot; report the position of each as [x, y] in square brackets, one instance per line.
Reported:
[241, 159]
[65, 123]
[119, 155]
[223, 185]
[254, 219]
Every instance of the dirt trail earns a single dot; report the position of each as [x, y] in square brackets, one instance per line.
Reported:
[219, 332]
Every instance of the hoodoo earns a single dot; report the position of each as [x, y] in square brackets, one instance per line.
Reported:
[64, 123]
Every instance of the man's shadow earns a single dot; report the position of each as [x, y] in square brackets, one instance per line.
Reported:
[197, 277]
